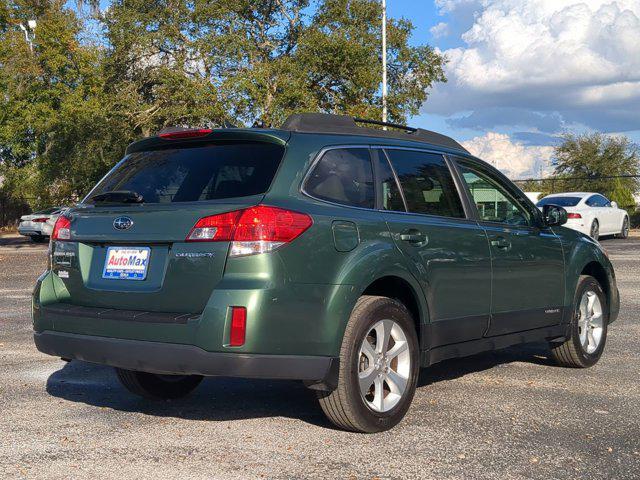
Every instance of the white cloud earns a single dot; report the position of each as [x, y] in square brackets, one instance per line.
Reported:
[447, 6]
[440, 30]
[580, 58]
[513, 159]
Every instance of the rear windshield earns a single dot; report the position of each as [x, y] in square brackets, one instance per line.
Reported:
[559, 201]
[195, 174]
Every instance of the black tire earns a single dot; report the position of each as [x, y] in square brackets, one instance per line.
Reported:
[571, 353]
[594, 231]
[624, 233]
[158, 387]
[345, 406]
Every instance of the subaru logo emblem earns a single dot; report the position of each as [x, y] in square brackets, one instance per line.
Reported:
[122, 223]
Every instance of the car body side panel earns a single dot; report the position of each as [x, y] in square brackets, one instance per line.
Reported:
[448, 275]
[528, 280]
[580, 251]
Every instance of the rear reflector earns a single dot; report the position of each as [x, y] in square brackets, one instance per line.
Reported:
[62, 229]
[238, 326]
[182, 134]
[574, 215]
[258, 229]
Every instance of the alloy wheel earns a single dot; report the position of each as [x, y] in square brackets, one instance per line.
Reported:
[384, 366]
[625, 228]
[590, 321]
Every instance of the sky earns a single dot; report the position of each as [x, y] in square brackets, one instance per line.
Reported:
[522, 73]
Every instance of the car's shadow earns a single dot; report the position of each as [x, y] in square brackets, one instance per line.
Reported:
[536, 353]
[19, 243]
[225, 399]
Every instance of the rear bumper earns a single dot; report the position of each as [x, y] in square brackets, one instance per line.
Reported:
[29, 232]
[171, 358]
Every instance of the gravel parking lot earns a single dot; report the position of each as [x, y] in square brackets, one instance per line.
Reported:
[508, 414]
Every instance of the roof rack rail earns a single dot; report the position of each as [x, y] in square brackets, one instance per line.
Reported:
[385, 124]
[346, 125]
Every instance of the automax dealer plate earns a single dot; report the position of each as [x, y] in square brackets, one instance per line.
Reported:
[126, 263]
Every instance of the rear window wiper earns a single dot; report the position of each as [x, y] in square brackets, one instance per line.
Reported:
[118, 196]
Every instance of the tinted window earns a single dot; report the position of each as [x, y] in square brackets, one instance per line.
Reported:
[343, 176]
[560, 201]
[391, 197]
[492, 198]
[427, 183]
[196, 173]
[597, 201]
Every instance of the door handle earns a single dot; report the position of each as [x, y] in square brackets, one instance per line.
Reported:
[413, 236]
[501, 243]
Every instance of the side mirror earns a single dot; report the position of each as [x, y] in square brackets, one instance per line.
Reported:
[614, 204]
[554, 215]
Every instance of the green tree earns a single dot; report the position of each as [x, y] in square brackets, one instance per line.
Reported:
[56, 136]
[598, 163]
[68, 110]
[240, 61]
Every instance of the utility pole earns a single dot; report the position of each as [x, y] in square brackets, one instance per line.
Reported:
[29, 33]
[384, 61]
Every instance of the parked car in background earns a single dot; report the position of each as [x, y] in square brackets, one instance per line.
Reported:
[47, 228]
[35, 225]
[342, 256]
[591, 213]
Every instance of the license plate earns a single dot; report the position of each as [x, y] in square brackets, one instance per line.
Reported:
[126, 263]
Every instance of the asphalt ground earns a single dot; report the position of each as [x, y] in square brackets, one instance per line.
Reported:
[502, 415]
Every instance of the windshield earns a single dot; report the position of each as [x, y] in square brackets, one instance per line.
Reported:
[191, 174]
[559, 201]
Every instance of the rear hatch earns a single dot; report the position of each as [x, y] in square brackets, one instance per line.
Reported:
[129, 251]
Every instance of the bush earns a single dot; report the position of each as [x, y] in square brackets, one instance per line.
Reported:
[634, 217]
[11, 209]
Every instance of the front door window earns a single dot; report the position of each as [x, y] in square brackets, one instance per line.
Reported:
[493, 201]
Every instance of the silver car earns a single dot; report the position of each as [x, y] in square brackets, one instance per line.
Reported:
[38, 225]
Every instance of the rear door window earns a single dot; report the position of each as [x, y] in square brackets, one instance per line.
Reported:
[598, 201]
[197, 173]
[427, 183]
[344, 176]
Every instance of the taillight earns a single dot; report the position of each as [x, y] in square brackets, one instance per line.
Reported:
[182, 134]
[62, 229]
[238, 326]
[40, 220]
[574, 215]
[258, 229]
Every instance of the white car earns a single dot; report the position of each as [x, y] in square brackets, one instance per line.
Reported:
[38, 226]
[591, 213]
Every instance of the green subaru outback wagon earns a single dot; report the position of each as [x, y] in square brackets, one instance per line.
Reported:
[326, 251]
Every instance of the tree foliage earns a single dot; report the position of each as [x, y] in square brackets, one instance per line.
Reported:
[68, 110]
[598, 163]
[56, 136]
